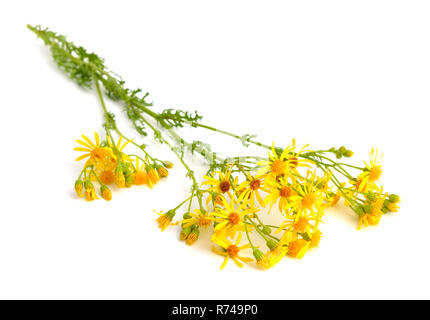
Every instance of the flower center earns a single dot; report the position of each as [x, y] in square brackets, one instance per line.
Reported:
[232, 250]
[107, 176]
[279, 166]
[301, 224]
[255, 184]
[308, 200]
[285, 192]
[234, 218]
[375, 173]
[224, 186]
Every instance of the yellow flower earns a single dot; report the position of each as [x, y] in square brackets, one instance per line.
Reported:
[119, 147]
[140, 176]
[202, 219]
[371, 174]
[230, 218]
[90, 193]
[153, 176]
[298, 248]
[106, 176]
[106, 193]
[79, 187]
[369, 219]
[315, 239]
[309, 198]
[285, 164]
[163, 172]
[223, 184]
[231, 250]
[164, 220]
[119, 177]
[280, 190]
[261, 259]
[304, 223]
[98, 156]
[276, 165]
[193, 236]
[168, 164]
[372, 210]
[250, 189]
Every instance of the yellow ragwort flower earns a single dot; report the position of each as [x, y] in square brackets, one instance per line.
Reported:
[298, 248]
[153, 177]
[371, 174]
[100, 157]
[230, 218]
[230, 250]
[250, 189]
[198, 217]
[222, 185]
[164, 220]
[106, 193]
[280, 190]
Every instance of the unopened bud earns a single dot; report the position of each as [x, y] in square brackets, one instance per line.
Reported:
[106, 193]
[258, 254]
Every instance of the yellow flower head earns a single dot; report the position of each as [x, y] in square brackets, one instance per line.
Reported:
[79, 187]
[231, 251]
[280, 190]
[193, 236]
[164, 220]
[163, 172]
[106, 193]
[305, 223]
[153, 177]
[298, 248]
[309, 198]
[199, 218]
[372, 173]
[315, 239]
[119, 177]
[100, 157]
[119, 147]
[106, 176]
[251, 188]
[372, 210]
[230, 219]
[284, 164]
[140, 176]
[224, 184]
[90, 193]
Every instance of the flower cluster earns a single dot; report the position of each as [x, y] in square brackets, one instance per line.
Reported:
[236, 197]
[107, 164]
[237, 193]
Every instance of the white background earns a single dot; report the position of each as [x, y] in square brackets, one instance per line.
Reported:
[328, 73]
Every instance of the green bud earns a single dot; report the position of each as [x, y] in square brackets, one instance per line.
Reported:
[348, 153]
[266, 230]
[184, 233]
[170, 214]
[88, 185]
[128, 181]
[371, 196]
[342, 149]
[271, 244]
[258, 254]
[394, 198]
[187, 216]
